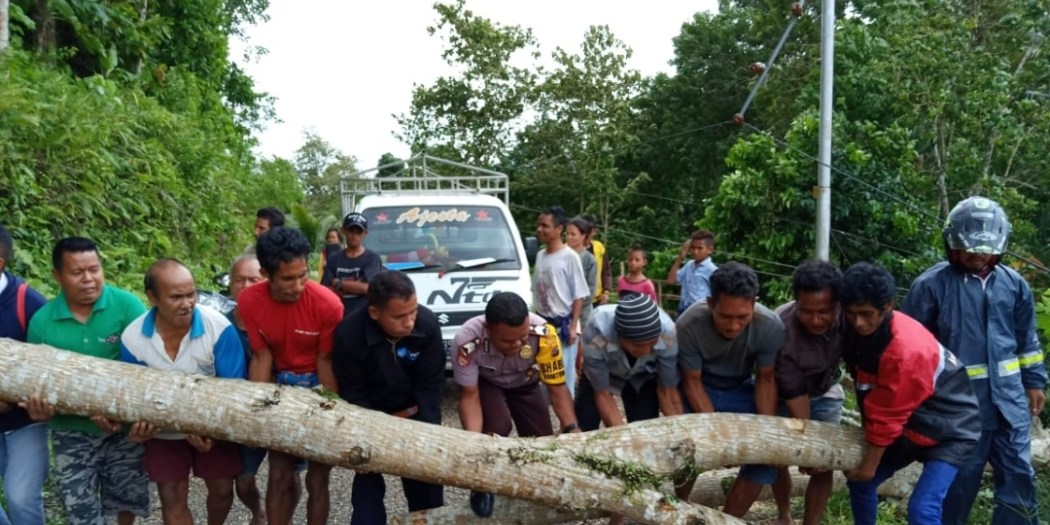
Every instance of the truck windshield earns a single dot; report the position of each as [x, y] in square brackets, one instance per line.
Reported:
[441, 238]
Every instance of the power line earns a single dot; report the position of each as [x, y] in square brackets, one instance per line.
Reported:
[844, 173]
[885, 193]
[536, 163]
[677, 243]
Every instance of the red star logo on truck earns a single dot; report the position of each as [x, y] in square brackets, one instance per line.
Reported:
[382, 218]
[482, 215]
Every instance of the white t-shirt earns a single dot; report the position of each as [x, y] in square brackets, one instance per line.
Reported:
[557, 282]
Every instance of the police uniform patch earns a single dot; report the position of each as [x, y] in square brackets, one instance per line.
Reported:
[526, 351]
[464, 356]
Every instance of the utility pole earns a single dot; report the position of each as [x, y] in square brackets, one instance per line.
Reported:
[822, 192]
[5, 25]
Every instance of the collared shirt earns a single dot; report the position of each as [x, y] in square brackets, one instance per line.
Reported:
[390, 375]
[807, 364]
[295, 332]
[727, 363]
[607, 365]
[55, 325]
[211, 348]
[474, 358]
[695, 280]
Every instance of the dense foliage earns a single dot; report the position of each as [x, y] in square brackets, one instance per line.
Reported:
[934, 101]
[131, 127]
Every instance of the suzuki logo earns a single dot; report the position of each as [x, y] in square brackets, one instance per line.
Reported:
[443, 318]
[470, 290]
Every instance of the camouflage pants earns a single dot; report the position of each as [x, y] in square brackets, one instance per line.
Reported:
[99, 475]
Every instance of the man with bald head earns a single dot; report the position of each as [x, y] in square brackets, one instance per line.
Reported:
[177, 335]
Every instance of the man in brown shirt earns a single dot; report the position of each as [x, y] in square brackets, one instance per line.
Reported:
[808, 373]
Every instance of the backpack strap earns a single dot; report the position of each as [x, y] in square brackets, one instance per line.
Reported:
[20, 305]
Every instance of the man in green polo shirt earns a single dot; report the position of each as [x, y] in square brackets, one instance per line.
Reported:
[98, 470]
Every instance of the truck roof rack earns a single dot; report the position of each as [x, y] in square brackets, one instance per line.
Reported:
[420, 174]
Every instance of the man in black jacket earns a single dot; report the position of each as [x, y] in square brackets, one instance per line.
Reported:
[389, 357]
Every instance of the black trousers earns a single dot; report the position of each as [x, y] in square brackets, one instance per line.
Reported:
[639, 405]
[368, 492]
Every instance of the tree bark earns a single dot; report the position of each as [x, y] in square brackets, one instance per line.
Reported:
[612, 470]
[710, 491]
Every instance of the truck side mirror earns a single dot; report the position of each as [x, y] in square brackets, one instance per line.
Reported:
[532, 247]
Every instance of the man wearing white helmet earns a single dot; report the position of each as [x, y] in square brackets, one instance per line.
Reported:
[984, 312]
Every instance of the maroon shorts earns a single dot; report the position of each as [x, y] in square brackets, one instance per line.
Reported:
[172, 459]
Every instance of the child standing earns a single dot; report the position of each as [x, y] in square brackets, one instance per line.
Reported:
[635, 280]
[694, 277]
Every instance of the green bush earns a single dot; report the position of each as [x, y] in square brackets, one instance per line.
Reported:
[97, 158]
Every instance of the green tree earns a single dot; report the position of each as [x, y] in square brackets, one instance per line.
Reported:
[273, 182]
[472, 116]
[385, 159]
[915, 130]
[683, 126]
[321, 166]
[568, 154]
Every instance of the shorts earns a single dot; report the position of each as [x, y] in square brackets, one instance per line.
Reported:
[252, 458]
[827, 408]
[170, 460]
[99, 475]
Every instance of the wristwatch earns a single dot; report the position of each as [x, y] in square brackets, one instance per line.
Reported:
[569, 428]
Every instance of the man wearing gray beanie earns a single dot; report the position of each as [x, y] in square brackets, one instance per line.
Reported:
[629, 349]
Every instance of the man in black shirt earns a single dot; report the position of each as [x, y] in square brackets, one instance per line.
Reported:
[389, 357]
[347, 272]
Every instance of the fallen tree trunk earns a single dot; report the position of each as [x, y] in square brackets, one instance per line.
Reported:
[710, 491]
[623, 470]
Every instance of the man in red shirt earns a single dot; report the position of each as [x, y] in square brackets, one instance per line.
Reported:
[290, 321]
[915, 399]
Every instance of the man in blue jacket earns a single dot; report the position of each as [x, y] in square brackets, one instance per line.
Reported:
[984, 312]
[23, 442]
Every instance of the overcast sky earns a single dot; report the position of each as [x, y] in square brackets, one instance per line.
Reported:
[343, 67]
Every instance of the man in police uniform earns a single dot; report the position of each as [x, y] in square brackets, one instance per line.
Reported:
[499, 360]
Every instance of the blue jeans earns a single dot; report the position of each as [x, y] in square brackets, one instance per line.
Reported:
[741, 400]
[927, 499]
[1010, 452]
[23, 466]
[568, 355]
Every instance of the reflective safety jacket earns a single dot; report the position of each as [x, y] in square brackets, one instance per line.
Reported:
[989, 324]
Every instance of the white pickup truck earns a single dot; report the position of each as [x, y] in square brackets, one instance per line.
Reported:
[452, 234]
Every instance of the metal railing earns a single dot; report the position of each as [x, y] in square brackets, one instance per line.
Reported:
[419, 175]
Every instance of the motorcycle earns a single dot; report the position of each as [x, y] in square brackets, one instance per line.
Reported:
[218, 300]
